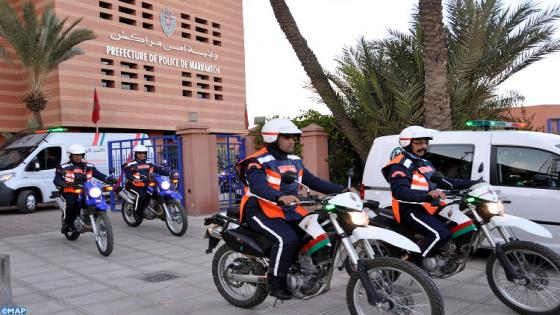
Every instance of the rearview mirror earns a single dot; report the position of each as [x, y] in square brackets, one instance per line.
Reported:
[288, 178]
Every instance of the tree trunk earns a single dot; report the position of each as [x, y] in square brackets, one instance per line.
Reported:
[437, 111]
[38, 119]
[318, 78]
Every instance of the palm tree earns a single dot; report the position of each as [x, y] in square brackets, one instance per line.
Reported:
[382, 82]
[317, 76]
[40, 44]
[437, 113]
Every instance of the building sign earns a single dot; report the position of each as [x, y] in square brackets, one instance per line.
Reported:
[168, 21]
[142, 39]
[160, 59]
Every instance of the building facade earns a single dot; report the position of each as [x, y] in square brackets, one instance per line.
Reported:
[154, 65]
[545, 118]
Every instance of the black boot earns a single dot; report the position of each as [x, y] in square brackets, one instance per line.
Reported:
[279, 288]
[65, 228]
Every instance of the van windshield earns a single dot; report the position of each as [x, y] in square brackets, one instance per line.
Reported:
[11, 157]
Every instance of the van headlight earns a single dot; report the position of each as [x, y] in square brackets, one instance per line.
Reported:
[6, 177]
[360, 218]
[165, 185]
[95, 192]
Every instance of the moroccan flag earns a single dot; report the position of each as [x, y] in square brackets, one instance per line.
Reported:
[96, 111]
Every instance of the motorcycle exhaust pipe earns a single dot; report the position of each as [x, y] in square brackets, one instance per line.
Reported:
[248, 278]
[215, 231]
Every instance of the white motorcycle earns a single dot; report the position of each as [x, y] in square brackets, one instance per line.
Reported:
[524, 275]
[381, 285]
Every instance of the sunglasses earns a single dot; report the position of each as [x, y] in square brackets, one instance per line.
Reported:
[420, 142]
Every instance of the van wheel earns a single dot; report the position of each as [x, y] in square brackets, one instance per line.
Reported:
[27, 201]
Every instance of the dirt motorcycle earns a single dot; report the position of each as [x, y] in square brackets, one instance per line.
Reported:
[162, 202]
[92, 216]
[380, 285]
[524, 275]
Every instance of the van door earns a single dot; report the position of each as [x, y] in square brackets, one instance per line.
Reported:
[40, 170]
[529, 178]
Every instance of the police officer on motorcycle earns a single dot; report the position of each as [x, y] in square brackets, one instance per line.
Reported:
[70, 177]
[137, 173]
[270, 206]
[415, 197]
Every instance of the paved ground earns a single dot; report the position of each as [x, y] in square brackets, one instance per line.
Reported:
[51, 275]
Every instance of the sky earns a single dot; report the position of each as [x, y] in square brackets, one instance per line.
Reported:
[275, 79]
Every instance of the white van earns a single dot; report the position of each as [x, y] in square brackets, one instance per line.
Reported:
[27, 165]
[522, 165]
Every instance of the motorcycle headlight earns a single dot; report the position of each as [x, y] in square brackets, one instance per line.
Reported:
[95, 192]
[495, 208]
[165, 185]
[489, 209]
[359, 218]
[6, 177]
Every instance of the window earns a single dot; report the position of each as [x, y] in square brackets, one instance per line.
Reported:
[453, 161]
[185, 16]
[218, 88]
[526, 167]
[202, 95]
[108, 62]
[148, 26]
[186, 74]
[218, 79]
[203, 86]
[127, 21]
[187, 83]
[202, 39]
[201, 30]
[129, 86]
[129, 65]
[187, 93]
[127, 10]
[149, 78]
[202, 77]
[105, 16]
[201, 21]
[108, 83]
[146, 5]
[149, 68]
[129, 75]
[128, 1]
[186, 26]
[219, 97]
[149, 88]
[215, 25]
[217, 42]
[217, 34]
[148, 16]
[105, 5]
[48, 158]
[107, 72]
[185, 35]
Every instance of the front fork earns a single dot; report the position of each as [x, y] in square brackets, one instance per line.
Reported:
[509, 270]
[359, 264]
[94, 226]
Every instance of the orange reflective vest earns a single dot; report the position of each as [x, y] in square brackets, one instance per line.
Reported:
[418, 181]
[274, 169]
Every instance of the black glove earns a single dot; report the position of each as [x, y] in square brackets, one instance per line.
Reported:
[110, 180]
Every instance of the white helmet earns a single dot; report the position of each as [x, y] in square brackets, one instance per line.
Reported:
[275, 127]
[415, 132]
[76, 149]
[139, 148]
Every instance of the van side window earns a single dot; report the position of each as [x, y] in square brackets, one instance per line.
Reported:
[527, 167]
[49, 158]
[453, 161]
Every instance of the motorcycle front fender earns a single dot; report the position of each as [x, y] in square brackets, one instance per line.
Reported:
[518, 222]
[102, 207]
[388, 236]
[172, 194]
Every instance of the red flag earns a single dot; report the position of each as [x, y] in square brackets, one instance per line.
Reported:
[95, 113]
[246, 118]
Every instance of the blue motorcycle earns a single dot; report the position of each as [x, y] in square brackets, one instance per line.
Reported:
[92, 216]
[163, 203]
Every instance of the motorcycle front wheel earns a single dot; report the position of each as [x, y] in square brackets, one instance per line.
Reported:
[177, 223]
[227, 262]
[104, 237]
[127, 211]
[538, 289]
[403, 287]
